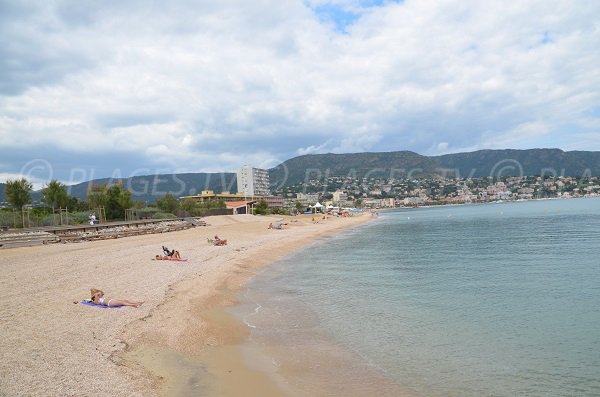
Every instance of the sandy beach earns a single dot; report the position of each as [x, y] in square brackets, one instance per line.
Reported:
[52, 346]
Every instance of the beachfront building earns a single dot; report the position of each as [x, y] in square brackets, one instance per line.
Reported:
[340, 197]
[240, 207]
[380, 203]
[236, 203]
[274, 201]
[307, 198]
[253, 182]
[209, 195]
[413, 201]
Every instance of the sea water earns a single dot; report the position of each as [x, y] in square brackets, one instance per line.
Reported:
[478, 300]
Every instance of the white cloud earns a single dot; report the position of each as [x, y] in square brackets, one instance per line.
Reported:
[314, 149]
[225, 83]
[523, 134]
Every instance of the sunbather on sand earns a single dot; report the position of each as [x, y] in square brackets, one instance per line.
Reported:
[171, 254]
[218, 241]
[99, 299]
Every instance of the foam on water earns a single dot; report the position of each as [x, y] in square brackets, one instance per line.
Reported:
[498, 299]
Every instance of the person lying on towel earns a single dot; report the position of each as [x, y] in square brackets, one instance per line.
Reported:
[171, 254]
[99, 299]
[218, 241]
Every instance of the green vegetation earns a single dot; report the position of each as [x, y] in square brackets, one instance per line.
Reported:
[18, 192]
[167, 203]
[40, 216]
[115, 200]
[163, 215]
[55, 195]
[190, 207]
[261, 208]
[61, 208]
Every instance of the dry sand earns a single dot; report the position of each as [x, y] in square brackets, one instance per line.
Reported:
[51, 346]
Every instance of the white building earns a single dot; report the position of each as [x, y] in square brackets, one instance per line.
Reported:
[413, 200]
[253, 181]
[339, 196]
[307, 198]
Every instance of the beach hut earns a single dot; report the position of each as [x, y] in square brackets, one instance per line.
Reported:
[318, 207]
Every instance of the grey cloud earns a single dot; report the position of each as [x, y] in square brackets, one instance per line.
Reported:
[49, 163]
[113, 120]
[34, 50]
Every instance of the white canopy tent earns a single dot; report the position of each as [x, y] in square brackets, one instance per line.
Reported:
[318, 207]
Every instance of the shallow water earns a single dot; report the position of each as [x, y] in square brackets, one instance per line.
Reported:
[481, 300]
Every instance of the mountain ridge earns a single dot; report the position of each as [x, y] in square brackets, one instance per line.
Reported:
[481, 163]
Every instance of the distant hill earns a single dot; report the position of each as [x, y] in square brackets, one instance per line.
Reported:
[512, 162]
[151, 187]
[481, 163]
[384, 164]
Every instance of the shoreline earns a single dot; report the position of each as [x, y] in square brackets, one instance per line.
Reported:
[54, 347]
[219, 362]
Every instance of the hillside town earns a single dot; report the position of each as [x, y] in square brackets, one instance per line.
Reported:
[390, 193]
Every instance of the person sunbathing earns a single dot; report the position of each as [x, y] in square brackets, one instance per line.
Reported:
[277, 226]
[171, 254]
[218, 241]
[99, 299]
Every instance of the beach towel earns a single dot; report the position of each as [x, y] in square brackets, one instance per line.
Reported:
[90, 303]
[170, 259]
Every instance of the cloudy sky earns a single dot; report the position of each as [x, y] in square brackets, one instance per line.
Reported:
[93, 89]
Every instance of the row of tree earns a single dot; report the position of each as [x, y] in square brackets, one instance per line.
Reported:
[188, 207]
[115, 199]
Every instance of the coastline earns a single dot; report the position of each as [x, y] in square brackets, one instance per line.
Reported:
[55, 347]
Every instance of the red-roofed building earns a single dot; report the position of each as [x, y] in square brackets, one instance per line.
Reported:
[240, 207]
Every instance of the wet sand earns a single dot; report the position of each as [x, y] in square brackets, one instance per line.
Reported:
[180, 341]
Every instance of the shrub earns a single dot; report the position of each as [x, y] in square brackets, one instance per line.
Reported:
[163, 215]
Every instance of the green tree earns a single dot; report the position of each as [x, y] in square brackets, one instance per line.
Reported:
[74, 204]
[18, 194]
[167, 203]
[55, 195]
[261, 208]
[96, 196]
[118, 200]
[190, 206]
[299, 207]
[115, 199]
[217, 204]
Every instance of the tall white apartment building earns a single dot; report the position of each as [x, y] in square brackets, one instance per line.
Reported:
[253, 181]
